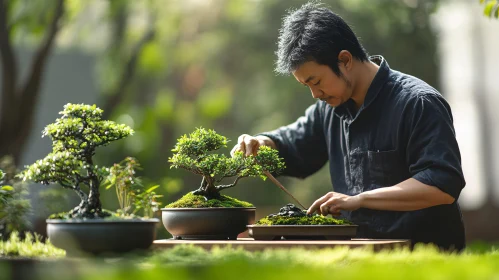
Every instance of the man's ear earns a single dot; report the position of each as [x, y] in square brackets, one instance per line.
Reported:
[345, 58]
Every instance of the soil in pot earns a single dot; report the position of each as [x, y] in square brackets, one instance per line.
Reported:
[191, 200]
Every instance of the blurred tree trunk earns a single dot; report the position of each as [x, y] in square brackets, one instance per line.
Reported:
[119, 18]
[18, 99]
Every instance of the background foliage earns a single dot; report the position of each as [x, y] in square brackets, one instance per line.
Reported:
[14, 203]
[491, 8]
[163, 69]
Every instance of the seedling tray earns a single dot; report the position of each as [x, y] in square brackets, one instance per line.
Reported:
[302, 232]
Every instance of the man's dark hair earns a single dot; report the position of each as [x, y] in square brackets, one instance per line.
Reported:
[315, 33]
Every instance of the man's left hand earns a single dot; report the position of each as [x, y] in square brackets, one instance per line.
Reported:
[333, 202]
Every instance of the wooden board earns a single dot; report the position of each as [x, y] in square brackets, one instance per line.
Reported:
[258, 245]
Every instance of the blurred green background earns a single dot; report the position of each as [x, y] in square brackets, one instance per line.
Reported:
[165, 67]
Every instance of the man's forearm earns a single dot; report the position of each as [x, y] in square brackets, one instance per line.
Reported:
[407, 196]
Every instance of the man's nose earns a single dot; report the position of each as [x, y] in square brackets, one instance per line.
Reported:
[316, 93]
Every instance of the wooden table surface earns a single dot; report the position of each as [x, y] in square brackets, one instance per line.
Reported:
[257, 245]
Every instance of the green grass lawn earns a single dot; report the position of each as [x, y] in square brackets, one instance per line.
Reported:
[479, 261]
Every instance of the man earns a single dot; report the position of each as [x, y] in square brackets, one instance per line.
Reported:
[394, 161]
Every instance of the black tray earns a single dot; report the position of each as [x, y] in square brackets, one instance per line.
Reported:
[301, 232]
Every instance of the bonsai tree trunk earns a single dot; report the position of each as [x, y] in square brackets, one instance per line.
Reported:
[84, 201]
[90, 206]
[94, 205]
[208, 189]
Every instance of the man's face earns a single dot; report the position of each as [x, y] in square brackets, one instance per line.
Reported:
[324, 83]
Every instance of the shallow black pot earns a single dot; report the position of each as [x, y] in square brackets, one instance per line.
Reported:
[302, 232]
[207, 223]
[101, 236]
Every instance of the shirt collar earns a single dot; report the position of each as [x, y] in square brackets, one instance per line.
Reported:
[373, 90]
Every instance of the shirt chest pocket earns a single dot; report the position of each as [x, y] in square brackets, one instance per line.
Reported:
[386, 168]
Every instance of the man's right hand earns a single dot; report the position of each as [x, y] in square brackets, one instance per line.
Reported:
[249, 145]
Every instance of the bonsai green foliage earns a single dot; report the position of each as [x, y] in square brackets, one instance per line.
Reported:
[75, 137]
[129, 189]
[305, 220]
[31, 246]
[14, 206]
[491, 8]
[193, 152]
[191, 200]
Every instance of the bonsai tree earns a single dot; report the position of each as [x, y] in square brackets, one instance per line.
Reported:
[75, 138]
[292, 215]
[194, 152]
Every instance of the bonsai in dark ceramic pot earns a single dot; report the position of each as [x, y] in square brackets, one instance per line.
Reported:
[292, 222]
[88, 227]
[205, 213]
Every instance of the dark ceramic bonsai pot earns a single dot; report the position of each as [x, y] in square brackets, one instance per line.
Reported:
[207, 223]
[302, 232]
[101, 236]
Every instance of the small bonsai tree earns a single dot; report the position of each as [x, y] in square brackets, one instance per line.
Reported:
[76, 136]
[292, 215]
[194, 152]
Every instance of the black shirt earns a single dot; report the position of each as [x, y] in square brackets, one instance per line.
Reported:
[403, 130]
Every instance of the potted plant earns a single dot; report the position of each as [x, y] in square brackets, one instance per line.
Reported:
[205, 213]
[292, 222]
[88, 227]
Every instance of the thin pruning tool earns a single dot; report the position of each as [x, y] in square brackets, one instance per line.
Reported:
[277, 183]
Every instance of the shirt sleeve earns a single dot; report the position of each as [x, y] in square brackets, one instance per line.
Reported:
[432, 152]
[302, 143]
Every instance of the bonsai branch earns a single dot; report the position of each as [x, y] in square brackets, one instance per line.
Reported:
[82, 178]
[76, 188]
[194, 170]
[223, 187]
[231, 173]
[65, 185]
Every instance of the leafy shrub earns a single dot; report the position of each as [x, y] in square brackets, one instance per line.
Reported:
[14, 206]
[130, 191]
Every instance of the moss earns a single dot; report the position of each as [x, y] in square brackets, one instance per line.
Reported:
[198, 201]
[30, 246]
[306, 220]
[65, 215]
